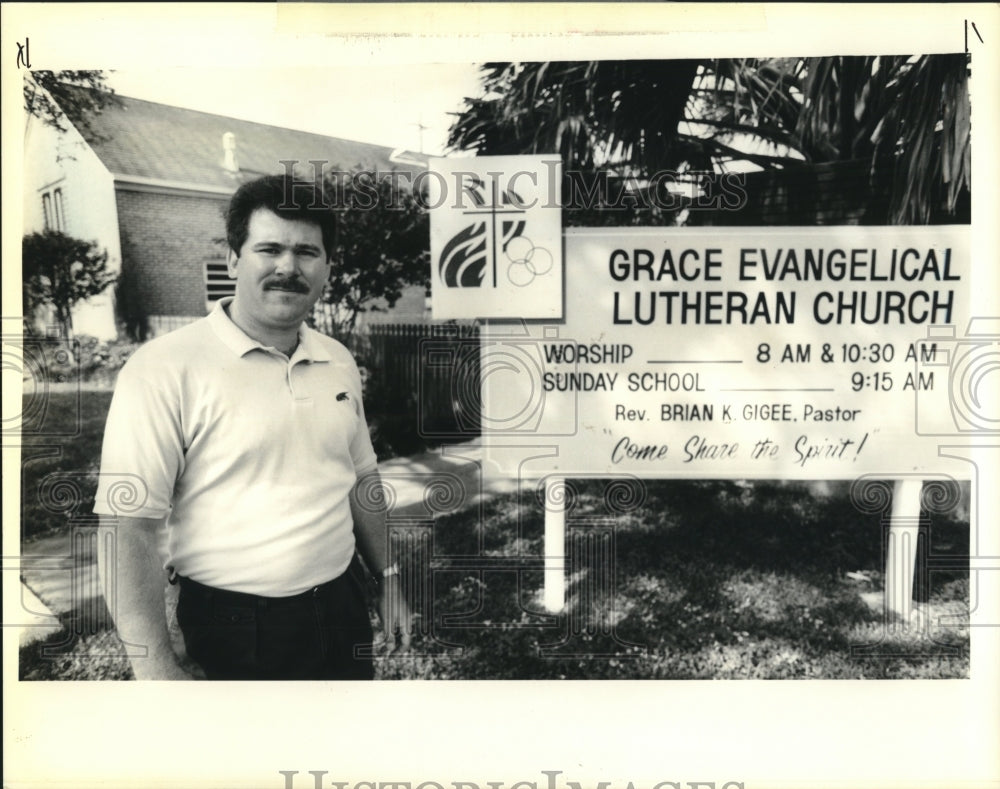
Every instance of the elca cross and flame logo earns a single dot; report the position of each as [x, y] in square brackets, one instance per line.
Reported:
[494, 244]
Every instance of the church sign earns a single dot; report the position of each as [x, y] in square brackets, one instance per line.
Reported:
[812, 353]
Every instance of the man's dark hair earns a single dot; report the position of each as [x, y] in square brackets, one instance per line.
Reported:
[289, 198]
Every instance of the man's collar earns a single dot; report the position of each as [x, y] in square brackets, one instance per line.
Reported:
[239, 342]
[310, 346]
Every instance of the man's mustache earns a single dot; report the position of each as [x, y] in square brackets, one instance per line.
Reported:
[293, 284]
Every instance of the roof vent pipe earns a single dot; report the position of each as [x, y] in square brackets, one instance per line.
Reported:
[229, 161]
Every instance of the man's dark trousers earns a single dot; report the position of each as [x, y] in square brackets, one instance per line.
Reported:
[324, 633]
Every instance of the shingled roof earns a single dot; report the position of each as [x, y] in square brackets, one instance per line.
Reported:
[147, 140]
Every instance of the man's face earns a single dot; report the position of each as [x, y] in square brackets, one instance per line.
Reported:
[280, 271]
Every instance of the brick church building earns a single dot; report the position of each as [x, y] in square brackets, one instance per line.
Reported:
[149, 183]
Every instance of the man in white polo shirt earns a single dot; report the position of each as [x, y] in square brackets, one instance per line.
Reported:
[245, 436]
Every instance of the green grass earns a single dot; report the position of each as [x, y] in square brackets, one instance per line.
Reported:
[96, 654]
[64, 438]
[709, 580]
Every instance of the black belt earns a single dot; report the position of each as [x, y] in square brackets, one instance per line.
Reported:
[226, 597]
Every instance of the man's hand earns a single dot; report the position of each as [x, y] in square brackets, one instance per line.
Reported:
[372, 541]
[395, 614]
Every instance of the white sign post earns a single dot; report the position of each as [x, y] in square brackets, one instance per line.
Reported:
[555, 544]
[901, 555]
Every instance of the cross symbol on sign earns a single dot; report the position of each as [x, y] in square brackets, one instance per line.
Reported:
[496, 206]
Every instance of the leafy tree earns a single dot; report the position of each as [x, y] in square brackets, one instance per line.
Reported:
[61, 271]
[131, 312]
[605, 118]
[381, 247]
[56, 98]
[909, 116]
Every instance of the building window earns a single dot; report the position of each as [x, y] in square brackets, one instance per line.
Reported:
[52, 210]
[57, 201]
[217, 281]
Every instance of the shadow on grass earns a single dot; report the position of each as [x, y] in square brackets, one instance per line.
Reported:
[704, 580]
